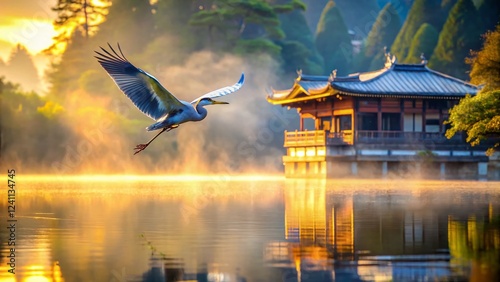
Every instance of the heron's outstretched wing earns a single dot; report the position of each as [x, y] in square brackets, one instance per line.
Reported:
[142, 88]
[223, 91]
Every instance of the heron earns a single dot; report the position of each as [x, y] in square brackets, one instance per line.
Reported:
[154, 100]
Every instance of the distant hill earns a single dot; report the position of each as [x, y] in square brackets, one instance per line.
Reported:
[358, 15]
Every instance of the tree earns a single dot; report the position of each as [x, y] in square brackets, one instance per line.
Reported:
[244, 25]
[423, 42]
[422, 11]
[333, 41]
[486, 62]
[298, 49]
[73, 14]
[479, 116]
[382, 34]
[21, 69]
[460, 34]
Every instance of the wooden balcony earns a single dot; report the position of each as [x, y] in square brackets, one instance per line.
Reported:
[317, 138]
[325, 138]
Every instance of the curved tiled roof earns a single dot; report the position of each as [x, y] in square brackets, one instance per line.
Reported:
[403, 80]
[412, 80]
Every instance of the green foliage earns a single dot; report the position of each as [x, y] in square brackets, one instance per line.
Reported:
[26, 134]
[422, 11]
[486, 62]
[298, 48]
[333, 41]
[74, 61]
[80, 14]
[479, 116]
[289, 7]
[424, 42]
[257, 46]
[230, 21]
[382, 34]
[51, 109]
[460, 34]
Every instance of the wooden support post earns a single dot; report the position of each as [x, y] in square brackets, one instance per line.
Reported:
[482, 171]
[442, 171]
[354, 168]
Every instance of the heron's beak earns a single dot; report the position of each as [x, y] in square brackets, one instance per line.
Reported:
[219, 102]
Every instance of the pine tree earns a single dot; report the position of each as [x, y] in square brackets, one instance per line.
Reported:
[423, 42]
[333, 41]
[81, 14]
[21, 69]
[422, 11]
[460, 34]
[382, 34]
[298, 49]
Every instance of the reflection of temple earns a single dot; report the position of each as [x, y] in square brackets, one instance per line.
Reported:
[173, 270]
[331, 233]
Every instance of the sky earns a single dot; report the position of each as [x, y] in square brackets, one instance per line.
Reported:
[28, 22]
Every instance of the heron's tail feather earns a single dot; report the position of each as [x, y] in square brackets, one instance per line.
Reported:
[155, 126]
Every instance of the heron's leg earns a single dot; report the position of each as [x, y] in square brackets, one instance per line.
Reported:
[141, 147]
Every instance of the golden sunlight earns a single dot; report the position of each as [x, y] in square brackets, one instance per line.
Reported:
[35, 34]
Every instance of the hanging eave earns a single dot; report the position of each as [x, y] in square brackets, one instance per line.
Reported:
[299, 94]
[400, 96]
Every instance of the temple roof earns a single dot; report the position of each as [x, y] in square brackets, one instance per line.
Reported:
[395, 80]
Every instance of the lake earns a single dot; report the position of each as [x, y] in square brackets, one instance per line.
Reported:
[232, 228]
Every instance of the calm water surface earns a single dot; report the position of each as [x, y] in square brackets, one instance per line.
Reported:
[223, 229]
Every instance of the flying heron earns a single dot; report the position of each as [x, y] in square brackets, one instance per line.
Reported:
[153, 99]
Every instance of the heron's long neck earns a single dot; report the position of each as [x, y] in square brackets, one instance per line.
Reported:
[202, 112]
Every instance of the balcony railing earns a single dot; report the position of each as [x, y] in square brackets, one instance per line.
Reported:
[347, 137]
[305, 138]
[317, 138]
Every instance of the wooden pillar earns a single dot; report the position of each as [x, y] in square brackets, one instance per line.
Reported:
[482, 171]
[301, 123]
[441, 127]
[424, 108]
[402, 115]
[379, 115]
[442, 171]
[354, 168]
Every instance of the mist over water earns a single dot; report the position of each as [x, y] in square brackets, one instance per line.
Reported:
[244, 136]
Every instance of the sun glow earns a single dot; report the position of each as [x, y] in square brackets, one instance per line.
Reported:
[35, 34]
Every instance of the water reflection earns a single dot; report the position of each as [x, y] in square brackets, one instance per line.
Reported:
[255, 231]
[337, 234]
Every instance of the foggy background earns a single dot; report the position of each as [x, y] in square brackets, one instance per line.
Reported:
[69, 117]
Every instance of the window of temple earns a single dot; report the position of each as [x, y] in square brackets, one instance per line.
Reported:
[391, 121]
[343, 122]
[367, 121]
[325, 123]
